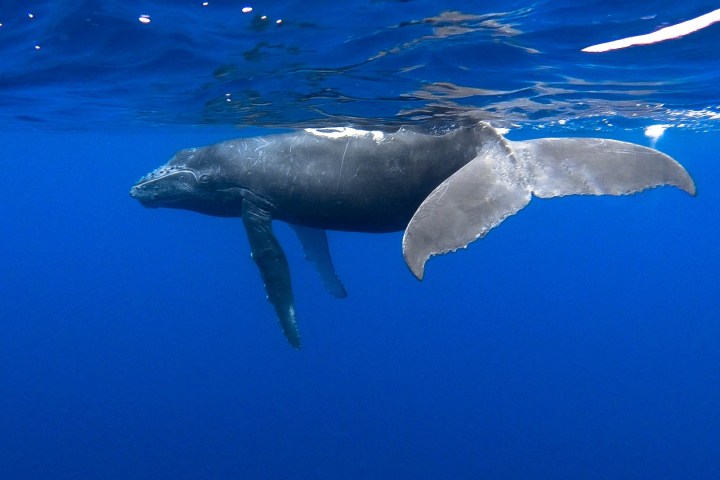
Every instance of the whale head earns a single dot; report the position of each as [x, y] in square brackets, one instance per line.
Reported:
[189, 181]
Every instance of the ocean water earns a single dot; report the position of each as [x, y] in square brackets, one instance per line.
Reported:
[578, 340]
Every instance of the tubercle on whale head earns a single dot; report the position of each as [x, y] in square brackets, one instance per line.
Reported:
[158, 173]
[164, 186]
[181, 168]
[191, 180]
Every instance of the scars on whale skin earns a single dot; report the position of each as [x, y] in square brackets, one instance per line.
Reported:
[444, 191]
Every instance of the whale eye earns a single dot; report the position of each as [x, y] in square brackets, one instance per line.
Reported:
[204, 179]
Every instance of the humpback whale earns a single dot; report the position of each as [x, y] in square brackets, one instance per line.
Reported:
[444, 190]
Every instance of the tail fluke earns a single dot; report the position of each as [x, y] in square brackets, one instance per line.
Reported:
[501, 180]
[596, 166]
[466, 206]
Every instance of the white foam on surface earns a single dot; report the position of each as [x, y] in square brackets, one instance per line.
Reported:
[654, 132]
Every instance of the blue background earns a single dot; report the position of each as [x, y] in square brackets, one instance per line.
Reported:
[580, 339]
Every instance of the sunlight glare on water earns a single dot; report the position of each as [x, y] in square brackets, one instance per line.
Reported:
[285, 65]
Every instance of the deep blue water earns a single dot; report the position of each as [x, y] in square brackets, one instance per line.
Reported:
[579, 340]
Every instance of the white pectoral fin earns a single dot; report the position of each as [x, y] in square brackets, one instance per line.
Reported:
[596, 166]
[465, 207]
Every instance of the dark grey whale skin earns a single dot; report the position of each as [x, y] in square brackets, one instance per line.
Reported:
[357, 183]
[444, 190]
[352, 184]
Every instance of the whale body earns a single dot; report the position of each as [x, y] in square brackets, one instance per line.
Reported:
[444, 190]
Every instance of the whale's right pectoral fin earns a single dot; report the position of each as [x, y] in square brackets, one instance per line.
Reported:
[315, 246]
[466, 206]
[273, 265]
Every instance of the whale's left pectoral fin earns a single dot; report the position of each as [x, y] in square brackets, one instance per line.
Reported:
[466, 206]
[273, 265]
[315, 246]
